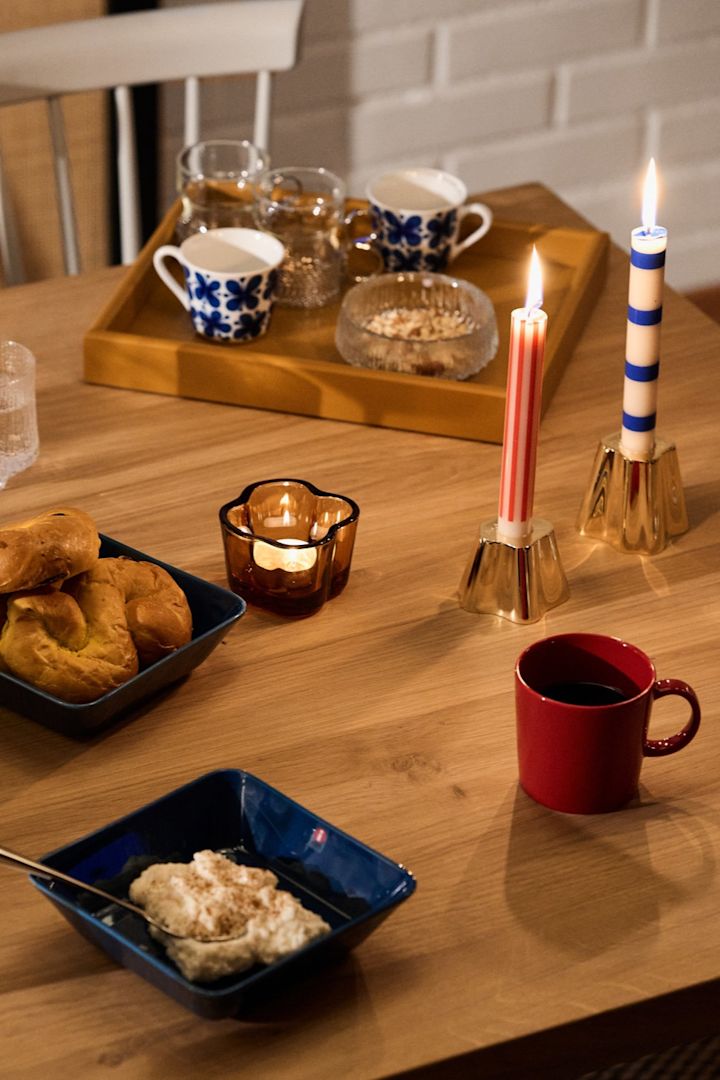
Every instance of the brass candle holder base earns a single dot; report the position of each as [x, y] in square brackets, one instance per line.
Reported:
[518, 580]
[636, 505]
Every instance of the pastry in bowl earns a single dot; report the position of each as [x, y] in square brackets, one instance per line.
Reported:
[214, 610]
[54, 545]
[78, 626]
[80, 642]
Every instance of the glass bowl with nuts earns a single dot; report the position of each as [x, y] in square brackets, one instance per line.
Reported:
[417, 323]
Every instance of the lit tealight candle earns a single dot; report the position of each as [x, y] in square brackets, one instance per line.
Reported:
[642, 349]
[285, 519]
[299, 558]
[528, 328]
[294, 560]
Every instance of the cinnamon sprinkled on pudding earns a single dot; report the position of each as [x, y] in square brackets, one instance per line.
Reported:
[214, 897]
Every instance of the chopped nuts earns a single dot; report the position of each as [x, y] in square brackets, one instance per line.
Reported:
[419, 324]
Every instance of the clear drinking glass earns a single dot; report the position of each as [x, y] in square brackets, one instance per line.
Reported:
[19, 443]
[215, 182]
[305, 208]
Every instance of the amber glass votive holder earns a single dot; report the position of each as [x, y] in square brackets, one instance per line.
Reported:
[288, 545]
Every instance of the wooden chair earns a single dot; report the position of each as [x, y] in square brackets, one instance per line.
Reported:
[117, 52]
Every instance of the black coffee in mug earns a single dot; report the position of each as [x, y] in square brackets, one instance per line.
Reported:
[584, 693]
[583, 706]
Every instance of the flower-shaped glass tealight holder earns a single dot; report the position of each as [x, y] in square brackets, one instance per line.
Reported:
[288, 546]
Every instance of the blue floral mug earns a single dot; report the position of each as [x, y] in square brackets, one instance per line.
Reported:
[230, 281]
[416, 215]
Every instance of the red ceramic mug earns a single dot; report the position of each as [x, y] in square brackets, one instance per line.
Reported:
[583, 707]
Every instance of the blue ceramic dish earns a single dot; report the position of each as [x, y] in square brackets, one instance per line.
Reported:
[214, 610]
[351, 886]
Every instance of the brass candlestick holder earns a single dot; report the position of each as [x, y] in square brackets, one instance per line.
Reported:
[517, 579]
[635, 504]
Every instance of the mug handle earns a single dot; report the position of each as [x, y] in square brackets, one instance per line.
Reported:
[365, 243]
[661, 747]
[169, 251]
[478, 209]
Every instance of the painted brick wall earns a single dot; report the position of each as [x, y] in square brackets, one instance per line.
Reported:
[575, 93]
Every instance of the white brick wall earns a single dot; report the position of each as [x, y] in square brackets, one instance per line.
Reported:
[575, 93]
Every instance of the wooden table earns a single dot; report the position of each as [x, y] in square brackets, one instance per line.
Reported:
[537, 944]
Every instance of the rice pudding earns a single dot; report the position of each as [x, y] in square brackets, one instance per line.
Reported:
[215, 897]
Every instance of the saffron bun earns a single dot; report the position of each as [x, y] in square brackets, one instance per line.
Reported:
[53, 546]
[94, 634]
[156, 608]
[74, 647]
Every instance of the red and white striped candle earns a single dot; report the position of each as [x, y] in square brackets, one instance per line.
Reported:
[528, 328]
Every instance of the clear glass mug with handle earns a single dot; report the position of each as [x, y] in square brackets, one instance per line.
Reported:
[215, 182]
[305, 208]
[19, 444]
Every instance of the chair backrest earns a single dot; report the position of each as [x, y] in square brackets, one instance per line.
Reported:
[116, 52]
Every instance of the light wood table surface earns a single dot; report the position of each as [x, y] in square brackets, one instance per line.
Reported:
[537, 944]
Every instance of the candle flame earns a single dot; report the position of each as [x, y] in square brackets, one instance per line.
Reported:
[286, 517]
[534, 298]
[649, 202]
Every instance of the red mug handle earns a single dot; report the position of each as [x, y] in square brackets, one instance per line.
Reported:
[661, 747]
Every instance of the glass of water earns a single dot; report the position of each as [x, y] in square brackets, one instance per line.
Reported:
[19, 443]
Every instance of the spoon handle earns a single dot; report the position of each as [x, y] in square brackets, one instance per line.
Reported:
[23, 863]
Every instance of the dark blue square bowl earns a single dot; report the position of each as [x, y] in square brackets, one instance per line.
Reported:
[351, 886]
[214, 611]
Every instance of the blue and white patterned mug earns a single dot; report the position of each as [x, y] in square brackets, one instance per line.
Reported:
[416, 215]
[230, 281]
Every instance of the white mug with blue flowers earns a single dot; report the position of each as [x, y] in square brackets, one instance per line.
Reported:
[230, 281]
[416, 215]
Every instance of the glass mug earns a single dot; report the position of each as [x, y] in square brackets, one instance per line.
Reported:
[305, 209]
[19, 443]
[215, 183]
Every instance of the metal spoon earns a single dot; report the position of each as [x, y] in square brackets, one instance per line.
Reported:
[20, 862]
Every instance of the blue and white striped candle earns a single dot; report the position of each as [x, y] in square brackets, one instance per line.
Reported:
[642, 349]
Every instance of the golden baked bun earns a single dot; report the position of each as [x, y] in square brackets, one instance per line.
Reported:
[58, 544]
[158, 614]
[83, 641]
[76, 647]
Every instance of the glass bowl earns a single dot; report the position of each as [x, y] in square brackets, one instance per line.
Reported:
[419, 324]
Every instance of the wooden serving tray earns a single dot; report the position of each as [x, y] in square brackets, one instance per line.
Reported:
[143, 340]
